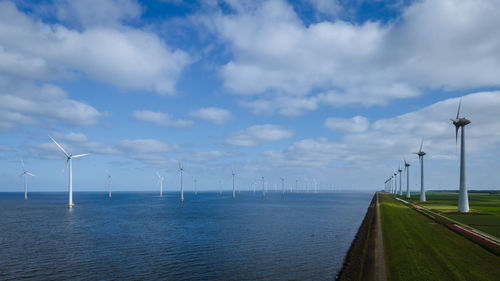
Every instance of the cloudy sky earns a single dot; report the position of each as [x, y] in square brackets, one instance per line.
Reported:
[334, 91]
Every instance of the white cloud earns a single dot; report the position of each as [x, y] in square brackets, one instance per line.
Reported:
[148, 151]
[88, 13]
[123, 56]
[145, 146]
[215, 115]
[160, 119]
[23, 103]
[211, 155]
[274, 54]
[356, 124]
[390, 139]
[258, 134]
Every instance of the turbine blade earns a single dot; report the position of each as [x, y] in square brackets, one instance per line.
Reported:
[422, 143]
[158, 174]
[459, 104]
[456, 139]
[30, 174]
[58, 145]
[22, 164]
[65, 165]
[79, 155]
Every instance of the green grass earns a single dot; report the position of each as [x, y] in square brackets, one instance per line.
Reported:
[417, 248]
[484, 207]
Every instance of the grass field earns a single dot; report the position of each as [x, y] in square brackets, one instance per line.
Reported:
[417, 248]
[484, 209]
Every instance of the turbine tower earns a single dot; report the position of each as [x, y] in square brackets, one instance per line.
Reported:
[463, 197]
[181, 169]
[421, 154]
[283, 186]
[160, 181]
[395, 183]
[234, 189]
[25, 174]
[400, 189]
[407, 168]
[109, 185]
[263, 187]
[69, 158]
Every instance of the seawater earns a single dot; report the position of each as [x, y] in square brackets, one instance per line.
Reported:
[299, 236]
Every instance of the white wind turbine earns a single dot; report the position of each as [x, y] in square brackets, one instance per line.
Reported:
[160, 182]
[421, 155]
[463, 197]
[181, 169]
[407, 168]
[263, 187]
[400, 187]
[25, 174]
[283, 186]
[109, 185]
[234, 190]
[69, 158]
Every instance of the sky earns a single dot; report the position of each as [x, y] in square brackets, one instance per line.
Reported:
[333, 92]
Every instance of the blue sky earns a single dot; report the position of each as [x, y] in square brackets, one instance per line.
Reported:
[336, 92]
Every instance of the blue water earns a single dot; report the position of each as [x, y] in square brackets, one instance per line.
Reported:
[209, 237]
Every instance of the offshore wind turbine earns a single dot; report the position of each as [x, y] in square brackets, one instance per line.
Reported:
[315, 186]
[109, 185]
[160, 181]
[421, 155]
[283, 186]
[407, 168]
[181, 169]
[263, 187]
[234, 190]
[463, 197]
[69, 158]
[400, 187]
[25, 174]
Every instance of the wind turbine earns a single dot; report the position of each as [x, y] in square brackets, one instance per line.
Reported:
[421, 154]
[315, 186]
[181, 169]
[400, 188]
[160, 181]
[395, 183]
[407, 168]
[283, 186]
[263, 187]
[109, 185]
[463, 197]
[25, 174]
[69, 158]
[234, 190]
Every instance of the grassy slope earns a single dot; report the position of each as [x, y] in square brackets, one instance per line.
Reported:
[485, 209]
[416, 248]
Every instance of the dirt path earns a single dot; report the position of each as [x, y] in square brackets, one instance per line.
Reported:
[380, 270]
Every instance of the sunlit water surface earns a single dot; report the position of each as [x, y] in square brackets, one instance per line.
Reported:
[208, 237]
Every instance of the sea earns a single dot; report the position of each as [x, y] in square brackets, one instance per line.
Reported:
[210, 236]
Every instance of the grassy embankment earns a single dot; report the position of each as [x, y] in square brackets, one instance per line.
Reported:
[417, 248]
[484, 209]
